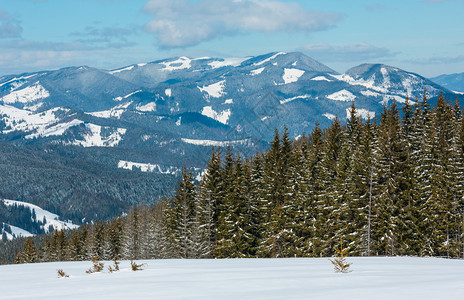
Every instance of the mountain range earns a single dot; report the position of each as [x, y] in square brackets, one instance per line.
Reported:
[164, 115]
[453, 82]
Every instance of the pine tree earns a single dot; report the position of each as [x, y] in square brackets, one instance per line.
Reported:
[209, 199]
[29, 253]
[328, 199]
[130, 236]
[182, 220]
[234, 238]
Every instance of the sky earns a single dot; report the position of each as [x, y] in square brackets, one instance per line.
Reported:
[421, 36]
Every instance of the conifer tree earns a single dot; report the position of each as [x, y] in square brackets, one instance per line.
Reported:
[209, 199]
[29, 253]
[182, 218]
[130, 237]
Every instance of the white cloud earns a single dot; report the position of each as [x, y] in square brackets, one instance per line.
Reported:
[375, 7]
[437, 60]
[20, 56]
[9, 28]
[350, 52]
[183, 23]
[109, 37]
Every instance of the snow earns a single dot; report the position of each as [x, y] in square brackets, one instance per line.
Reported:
[17, 79]
[232, 61]
[370, 94]
[17, 119]
[16, 232]
[179, 121]
[294, 98]
[257, 71]
[269, 59]
[29, 94]
[230, 279]
[321, 78]
[121, 70]
[370, 83]
[214, 143]
[386, 86]
[146, 167]
[95, 138]
[126, 96]
[34, 107]
[147, 107]
[229, 101]
[51, 218]
[214, 90]
[115, 112]
[386, 77]
[388, 98]
[361, 112]
[222, 117]
[178, 64]
[58, 129]
[292, 75]
[330, 116]
[168, 92]
[342, 95]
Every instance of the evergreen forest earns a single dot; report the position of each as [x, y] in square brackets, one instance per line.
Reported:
[389, 186]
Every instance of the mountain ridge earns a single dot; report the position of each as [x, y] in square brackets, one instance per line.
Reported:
[164, 115]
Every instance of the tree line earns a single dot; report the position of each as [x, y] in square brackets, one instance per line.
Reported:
[388, 186]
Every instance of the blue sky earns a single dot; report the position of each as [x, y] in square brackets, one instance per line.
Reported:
[422, 36]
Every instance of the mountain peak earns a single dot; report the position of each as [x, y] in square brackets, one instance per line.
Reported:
[296, 60]
[393, 79]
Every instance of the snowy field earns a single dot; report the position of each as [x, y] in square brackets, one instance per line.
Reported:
[301, 278]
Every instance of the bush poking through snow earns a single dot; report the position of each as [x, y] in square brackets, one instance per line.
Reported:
[135, 266]
[340, 264]
[116, 266]
[97, 266]
[62, 274]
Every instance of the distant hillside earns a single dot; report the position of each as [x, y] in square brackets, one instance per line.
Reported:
[76, 183]
[73, 136]
[453, 82]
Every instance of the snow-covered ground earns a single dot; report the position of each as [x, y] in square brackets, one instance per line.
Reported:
[301, 278]
[214, 90]
[222, 116]
[41, 214]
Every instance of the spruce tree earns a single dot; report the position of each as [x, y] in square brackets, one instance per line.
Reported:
[210, 194]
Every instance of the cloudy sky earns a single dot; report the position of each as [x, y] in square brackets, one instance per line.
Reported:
[423, 36]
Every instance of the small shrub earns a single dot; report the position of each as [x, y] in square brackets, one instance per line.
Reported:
[135, 266]
[97, 266]
[116, 266]
[62, 274]
[340, 263]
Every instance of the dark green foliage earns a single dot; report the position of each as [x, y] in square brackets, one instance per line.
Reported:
[76, 183]
[392, 186]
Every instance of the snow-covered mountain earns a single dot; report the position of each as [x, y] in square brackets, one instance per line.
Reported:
[182, 106]
[40, 218]
[161, 116]
[453, 82]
